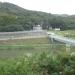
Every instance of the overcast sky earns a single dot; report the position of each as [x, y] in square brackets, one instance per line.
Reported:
[50, 6]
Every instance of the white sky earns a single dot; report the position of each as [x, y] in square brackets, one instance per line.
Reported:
[52, 6]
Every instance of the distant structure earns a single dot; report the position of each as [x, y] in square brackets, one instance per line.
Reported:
[37, 27]
[50, 28]
[57, 29]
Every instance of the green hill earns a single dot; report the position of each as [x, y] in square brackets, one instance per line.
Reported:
[15, 18]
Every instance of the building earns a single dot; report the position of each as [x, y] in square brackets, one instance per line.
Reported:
[57, 29]
[37, 27]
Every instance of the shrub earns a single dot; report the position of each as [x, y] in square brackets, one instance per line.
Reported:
[39, 64]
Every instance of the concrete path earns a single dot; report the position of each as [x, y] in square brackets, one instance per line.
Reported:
[61, 39]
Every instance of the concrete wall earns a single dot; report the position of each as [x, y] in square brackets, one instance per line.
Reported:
[22, 34]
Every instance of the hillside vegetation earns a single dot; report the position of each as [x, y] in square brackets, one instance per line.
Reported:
[15, 18]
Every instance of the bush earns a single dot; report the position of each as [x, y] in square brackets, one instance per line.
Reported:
[44, 64]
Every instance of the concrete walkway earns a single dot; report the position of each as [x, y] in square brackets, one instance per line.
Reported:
[61, 39]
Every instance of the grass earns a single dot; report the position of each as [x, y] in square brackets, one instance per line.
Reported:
[39, 64]
[25, 41]
[15, 48]
[66, 33]
[14, 51]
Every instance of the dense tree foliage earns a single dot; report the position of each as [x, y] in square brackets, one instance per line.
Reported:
[15, 18]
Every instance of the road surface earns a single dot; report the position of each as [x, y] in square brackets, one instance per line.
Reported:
[61, 39]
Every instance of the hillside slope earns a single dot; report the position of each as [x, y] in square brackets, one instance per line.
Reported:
[15, 18]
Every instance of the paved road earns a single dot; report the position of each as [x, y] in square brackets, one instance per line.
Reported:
[62, 39]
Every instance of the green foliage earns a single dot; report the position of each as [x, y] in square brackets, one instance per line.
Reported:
[39, 64]
[11, 14]
[7, 20]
